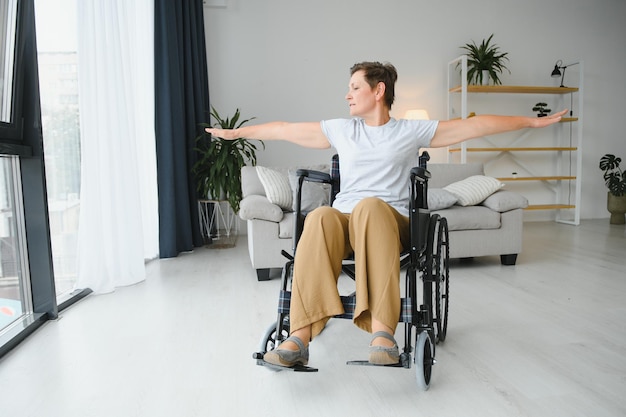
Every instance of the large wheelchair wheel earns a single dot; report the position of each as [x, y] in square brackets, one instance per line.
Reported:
[424, 359]
[441, 281]
[273, 336]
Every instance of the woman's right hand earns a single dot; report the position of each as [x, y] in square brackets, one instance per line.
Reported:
[228, 134]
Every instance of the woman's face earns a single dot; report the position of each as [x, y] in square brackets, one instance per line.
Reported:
[361, 97]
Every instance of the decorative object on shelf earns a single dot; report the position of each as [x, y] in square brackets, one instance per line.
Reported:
[556, 72]
[485, 61]
[541, 109]
[615, 180]
[218, 169]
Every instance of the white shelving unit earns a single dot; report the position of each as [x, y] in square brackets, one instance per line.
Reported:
[561, 175]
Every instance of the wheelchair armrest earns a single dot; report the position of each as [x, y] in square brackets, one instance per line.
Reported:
[314, 176]
[421, 173]
[419, 189]
[310, 176]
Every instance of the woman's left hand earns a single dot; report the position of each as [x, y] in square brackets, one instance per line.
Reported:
[548, 120]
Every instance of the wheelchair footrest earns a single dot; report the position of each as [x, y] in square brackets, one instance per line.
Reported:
[405, 362]
[367, 363]
[296, 368]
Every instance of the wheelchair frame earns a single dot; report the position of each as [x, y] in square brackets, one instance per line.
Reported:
[427, 256]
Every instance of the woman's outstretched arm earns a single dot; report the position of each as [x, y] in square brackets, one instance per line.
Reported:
[451, 132]
[308, 134]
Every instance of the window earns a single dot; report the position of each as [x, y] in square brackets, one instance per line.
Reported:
[14, 278]
[8, 21]
[26, 275]
[58, 84]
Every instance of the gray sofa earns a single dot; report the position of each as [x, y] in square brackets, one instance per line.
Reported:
[492, 227]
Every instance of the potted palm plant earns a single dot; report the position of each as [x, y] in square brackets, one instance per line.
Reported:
[218, 169]
[485, 61]
[615, 180]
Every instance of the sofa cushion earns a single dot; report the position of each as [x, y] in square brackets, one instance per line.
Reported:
[503, 200]
[470, 218]
[472, 190]
[276, 186]
[285, 226]
[259, 207]
[250, 182]
[314, 194]
[439, 199]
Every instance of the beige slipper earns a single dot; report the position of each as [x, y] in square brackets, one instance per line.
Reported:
[288, 358]
[383, 355]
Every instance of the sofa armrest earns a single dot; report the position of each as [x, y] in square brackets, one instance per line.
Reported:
[250, 182]
[259, 207]
[503, 201]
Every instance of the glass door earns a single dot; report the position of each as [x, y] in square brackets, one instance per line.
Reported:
[58, 85]
[15, 293]
[27, 292]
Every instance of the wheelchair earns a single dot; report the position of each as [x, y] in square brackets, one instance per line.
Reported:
[428, 255]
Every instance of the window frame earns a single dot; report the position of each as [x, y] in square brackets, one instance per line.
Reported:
[11, 132]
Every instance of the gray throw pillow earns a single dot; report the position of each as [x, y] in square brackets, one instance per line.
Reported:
[439, 199]
[314, 194]
[503, 200]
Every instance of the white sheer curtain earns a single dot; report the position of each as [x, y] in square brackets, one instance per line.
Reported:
[118, 227]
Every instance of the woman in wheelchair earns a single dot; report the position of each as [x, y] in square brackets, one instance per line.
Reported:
[369, 217]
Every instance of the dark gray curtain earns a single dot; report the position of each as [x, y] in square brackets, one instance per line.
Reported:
[182, 102]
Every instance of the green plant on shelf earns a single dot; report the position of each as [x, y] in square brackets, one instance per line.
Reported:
[485, 57]
[541, 109]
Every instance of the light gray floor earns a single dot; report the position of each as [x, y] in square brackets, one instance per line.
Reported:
[544, 338]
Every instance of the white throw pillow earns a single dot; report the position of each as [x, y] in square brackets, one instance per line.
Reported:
[276, 186]
[439, 199]
[472, 190]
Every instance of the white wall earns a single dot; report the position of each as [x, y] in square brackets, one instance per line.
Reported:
[289, 60]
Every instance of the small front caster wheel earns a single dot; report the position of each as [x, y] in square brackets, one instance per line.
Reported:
[424, 360]
[271, 338]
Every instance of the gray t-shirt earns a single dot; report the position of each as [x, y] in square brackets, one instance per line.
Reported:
[376, 161]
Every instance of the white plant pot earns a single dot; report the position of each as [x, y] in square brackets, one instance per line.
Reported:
[485, 77]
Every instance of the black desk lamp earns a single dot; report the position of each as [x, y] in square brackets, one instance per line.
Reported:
[556, 72]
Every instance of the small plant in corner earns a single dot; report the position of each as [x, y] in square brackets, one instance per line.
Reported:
[218, 169]
[541, 109]
[616, 183]
[614, 177]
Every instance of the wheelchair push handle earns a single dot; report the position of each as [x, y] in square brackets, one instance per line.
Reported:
[420, 172]
[423, 159]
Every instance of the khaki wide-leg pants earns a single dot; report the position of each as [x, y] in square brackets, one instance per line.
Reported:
[376, 233]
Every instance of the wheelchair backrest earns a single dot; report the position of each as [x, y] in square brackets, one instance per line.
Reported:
[419, 172]
[334, 177]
